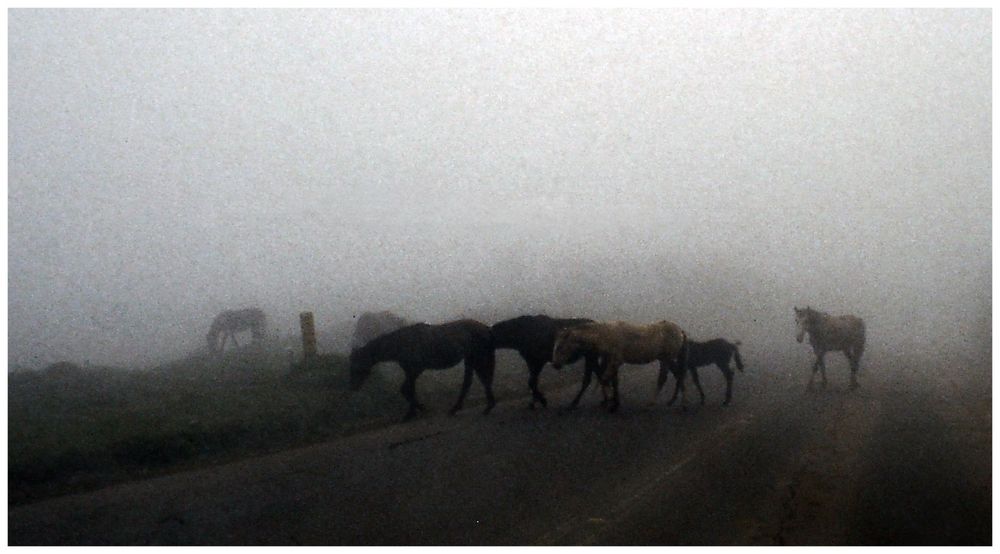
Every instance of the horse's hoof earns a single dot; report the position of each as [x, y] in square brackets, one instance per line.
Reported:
[487, 410]
[543, 402]
[453, 411]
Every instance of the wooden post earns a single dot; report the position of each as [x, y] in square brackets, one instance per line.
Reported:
[308, 336]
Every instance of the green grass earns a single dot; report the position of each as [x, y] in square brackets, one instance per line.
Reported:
[72, 429]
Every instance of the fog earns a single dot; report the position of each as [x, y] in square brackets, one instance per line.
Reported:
[714, 168]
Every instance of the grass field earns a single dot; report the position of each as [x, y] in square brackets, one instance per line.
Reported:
[72, 429]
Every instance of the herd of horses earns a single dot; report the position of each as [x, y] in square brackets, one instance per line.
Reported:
[540, 340]
[604, 347]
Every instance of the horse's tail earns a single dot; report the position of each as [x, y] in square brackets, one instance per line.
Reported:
[258, 327]
[860, 348]
[736, 355]
[684, 354]
[212, 337]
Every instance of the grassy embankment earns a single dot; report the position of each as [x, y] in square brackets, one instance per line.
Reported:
[72, 429]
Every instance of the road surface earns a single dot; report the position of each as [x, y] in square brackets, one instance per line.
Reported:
[904, 460]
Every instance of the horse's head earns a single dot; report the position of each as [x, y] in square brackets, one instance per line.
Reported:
[361, 367]
[565, 348]
[803, 320]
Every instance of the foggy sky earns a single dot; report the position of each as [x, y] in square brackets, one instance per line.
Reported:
[715, 168]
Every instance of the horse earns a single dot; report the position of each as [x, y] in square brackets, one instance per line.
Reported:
[828, 333]
[718, 352]
[373, 324]
[534, 336]
[422, 346]
[230, 322]
[619, 342]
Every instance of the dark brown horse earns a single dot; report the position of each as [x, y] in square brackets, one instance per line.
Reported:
[718, 352]
[421, 346]
[534, 336]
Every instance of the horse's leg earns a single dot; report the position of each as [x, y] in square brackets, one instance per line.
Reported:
[676, 390]
[236, 342]
[609, 379]
[822, 367]
[409, 391]
[694, 377]
[812, 376]
[853, 357]
[589, 368]
[679, 387]
[613, 406]
[534, 369]
[728, 373]
[466, 383]
[661, 379]
[484, 370]
[604, 384]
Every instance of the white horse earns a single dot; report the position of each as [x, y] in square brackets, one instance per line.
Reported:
[828, 333]
[373, 324]
[230, 322]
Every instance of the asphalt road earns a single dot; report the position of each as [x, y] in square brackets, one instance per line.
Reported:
[904, 460]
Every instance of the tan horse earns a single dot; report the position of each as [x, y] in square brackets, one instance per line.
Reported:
[618, 343]
[831, 333]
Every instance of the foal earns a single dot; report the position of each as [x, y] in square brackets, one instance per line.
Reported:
[718, 352]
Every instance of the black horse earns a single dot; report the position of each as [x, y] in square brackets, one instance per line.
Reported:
[533, 336]
[422, 346]
[718, 352]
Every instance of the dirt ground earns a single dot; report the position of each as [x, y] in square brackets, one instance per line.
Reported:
[906, 459]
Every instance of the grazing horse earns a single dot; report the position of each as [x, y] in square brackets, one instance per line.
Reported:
[619, 343]
[718, 352]
[534, 336]
[831, 333]
[373, 324]
[230, 322]
[421, 346]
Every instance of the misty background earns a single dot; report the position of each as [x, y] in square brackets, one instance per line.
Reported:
[711, 167]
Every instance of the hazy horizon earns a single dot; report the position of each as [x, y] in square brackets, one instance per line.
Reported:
[713, 167]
